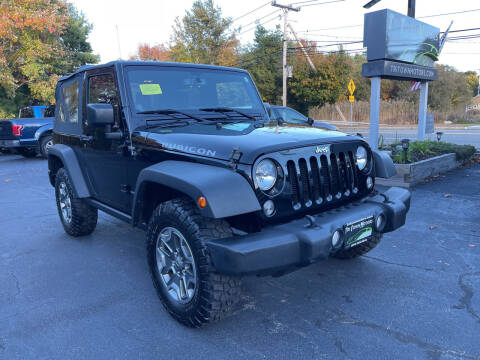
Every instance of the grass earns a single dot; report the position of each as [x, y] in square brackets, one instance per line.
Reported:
[422, 150]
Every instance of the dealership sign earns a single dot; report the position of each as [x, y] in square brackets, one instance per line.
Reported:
[399, 47]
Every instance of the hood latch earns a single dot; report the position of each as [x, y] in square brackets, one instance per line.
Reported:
[235, 158]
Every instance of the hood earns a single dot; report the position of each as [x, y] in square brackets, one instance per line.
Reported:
[218, 143]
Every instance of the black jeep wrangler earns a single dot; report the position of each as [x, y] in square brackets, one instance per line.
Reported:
[188, 153]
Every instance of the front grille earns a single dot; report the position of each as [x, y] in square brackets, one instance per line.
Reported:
[322, 179]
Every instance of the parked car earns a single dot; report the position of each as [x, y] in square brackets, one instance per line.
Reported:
[188, 153]
[284, 114]
[31, 133]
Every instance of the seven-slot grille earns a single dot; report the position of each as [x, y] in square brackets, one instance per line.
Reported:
[322, 178]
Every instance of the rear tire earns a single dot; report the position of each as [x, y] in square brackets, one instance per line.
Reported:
[46, 142]
[207, 296]
[359, 250]
[77, 217]
[27, 152]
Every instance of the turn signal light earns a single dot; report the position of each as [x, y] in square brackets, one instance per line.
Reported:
[202, 202]
[17, 130]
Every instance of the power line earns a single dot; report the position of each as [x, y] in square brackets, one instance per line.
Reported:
[451, 13]
[258, 19]
[326, 2]
[258, 23]
[250, 12]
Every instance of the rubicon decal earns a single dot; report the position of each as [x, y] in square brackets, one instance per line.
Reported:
[190, 149]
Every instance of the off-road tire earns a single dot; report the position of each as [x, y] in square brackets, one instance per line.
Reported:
[215, 294]
[359, 250]
[44, 144]
[27, 152]
[83, 216]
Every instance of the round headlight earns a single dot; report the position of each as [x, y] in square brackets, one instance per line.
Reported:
[362, 157]
[266, 174]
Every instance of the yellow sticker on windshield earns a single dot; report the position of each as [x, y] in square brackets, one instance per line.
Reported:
[151, 89]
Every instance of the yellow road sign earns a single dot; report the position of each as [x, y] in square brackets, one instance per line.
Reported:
[351, 87]
[351, 99]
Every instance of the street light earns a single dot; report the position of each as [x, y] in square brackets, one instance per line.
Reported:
[439, 135]
[405, 145]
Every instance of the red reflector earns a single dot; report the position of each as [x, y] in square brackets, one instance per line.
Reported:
[17, 130]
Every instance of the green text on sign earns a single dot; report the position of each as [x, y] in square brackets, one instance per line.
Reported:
[151, 89]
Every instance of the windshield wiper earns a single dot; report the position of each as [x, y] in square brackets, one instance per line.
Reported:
[172, 112]
[223, 110]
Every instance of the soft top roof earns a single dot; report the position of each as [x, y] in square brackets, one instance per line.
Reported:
[146, 63]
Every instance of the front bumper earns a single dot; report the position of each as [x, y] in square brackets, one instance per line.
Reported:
[300, 242]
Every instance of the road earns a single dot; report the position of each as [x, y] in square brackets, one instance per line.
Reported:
[456, 136]
[416, 296]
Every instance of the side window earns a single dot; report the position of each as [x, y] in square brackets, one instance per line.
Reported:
[101, 89]
[70, 100]
[293, 117]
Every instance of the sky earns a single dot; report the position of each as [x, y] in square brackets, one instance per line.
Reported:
[151, 21]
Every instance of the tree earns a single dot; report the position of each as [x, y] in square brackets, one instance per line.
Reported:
[327, 84]
[154, 53]
[450, 91]
[40, 40]
[472, 82]
[202, 36]
[264, 62]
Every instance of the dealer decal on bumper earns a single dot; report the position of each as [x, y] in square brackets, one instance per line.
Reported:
[358, 232]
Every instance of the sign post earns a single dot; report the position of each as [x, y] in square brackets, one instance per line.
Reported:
[351, 98]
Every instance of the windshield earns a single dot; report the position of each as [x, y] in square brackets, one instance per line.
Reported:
[152, 88]
[290, 116]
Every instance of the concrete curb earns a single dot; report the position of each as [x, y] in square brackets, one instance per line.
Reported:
[414, 173]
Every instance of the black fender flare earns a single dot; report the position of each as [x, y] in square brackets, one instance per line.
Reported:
[384, 167]
[70, 162]
[227, 192]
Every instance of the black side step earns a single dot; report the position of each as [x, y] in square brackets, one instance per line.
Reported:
[109, 210]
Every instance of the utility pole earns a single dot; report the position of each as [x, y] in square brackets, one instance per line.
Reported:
[302, 48]
[286, 9]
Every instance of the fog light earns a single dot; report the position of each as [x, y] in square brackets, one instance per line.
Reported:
[269, 208]
[336, 239]
[369, 182]
[380, 222]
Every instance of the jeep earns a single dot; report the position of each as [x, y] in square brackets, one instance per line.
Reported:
[188, 153]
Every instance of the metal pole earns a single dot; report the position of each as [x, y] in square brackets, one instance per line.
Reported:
[422, 111]
[411, 8]
[351, 113]
[285, 22]
[374, 113]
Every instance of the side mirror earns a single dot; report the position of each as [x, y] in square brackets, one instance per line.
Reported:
[310, 121]
[100, 114]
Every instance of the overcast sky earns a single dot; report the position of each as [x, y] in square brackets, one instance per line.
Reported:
[151, 22]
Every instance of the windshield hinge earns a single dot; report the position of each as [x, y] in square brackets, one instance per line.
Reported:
[133, 150]
[235, 157]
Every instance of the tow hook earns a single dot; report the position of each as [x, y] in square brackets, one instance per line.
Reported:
[311, 221]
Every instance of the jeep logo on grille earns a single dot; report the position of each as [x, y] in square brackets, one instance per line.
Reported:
[322, 149]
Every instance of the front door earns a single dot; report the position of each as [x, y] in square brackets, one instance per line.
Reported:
[106, 157]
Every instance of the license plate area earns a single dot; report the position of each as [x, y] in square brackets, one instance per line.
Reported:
[358, 232]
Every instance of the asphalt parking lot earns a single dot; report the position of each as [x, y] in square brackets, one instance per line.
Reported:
[416, 296]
